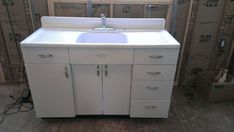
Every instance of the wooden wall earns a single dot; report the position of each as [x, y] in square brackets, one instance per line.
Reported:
[213, 22]
[13, 29]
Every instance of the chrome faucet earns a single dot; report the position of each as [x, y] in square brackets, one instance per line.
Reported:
[103, 20]
[103, 25]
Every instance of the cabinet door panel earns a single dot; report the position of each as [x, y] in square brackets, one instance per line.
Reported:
[116, 89]
[51, 89]
[88, 89]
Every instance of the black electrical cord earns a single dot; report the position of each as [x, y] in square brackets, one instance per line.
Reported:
[17, 103]
[16, 106]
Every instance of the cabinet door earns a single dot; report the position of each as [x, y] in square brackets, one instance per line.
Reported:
[51, 87]
[88, 89]
[116, 89]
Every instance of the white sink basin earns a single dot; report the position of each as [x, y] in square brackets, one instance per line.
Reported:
[102, 37]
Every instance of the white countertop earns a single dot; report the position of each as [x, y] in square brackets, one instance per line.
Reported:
[59, 37]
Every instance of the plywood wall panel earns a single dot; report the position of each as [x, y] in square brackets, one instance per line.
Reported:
[226, 33]
[98, 9]
[39, 8]
[70, 9]
[2, 77]
[128, 11]
[156, 11]
[204, 39]
[122, 8]
[16, 10]
[208, 18]
[11, 56]
[181, 19]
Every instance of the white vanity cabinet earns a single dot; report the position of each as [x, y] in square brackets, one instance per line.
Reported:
[128, 70]
[50, 81]
[101, 81]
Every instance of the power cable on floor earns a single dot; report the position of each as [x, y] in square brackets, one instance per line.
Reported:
[22, 103]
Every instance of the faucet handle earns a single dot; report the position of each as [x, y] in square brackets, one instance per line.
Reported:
[103, 16]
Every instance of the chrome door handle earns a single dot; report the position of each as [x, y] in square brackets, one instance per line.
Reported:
[156, 56]
[106, 70]
[152, 88]
[154, 73]
[150, 107]
[45, 55]
[101, 55]
[98, 70]
[66, 72]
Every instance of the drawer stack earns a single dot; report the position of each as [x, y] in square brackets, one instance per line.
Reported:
[152, 82]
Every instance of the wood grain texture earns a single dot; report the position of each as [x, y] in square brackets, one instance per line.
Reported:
[136, 8]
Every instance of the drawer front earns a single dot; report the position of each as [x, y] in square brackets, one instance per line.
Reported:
[101, 56]
[154, 72]
[156, 56]
[151, 90]
[149, 108]
[45, 55]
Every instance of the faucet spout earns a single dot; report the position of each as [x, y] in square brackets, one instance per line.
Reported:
[103, 25]
[103, 20]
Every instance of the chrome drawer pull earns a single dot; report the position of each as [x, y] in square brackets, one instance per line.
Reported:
[152, 88]
[101, 55]
[150, 107]
[156, 56]
[45, 55]
[154, 73]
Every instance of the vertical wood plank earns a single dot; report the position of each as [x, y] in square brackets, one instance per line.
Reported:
[111, 10]
[178, 73]
[168, 18]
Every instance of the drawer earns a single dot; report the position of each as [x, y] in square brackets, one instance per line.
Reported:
[149, 108]
[45, 55]
[156, 56]
[154, 72]
[101, 56]
[151, 90]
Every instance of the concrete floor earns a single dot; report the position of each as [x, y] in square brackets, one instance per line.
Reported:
[188, 113]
